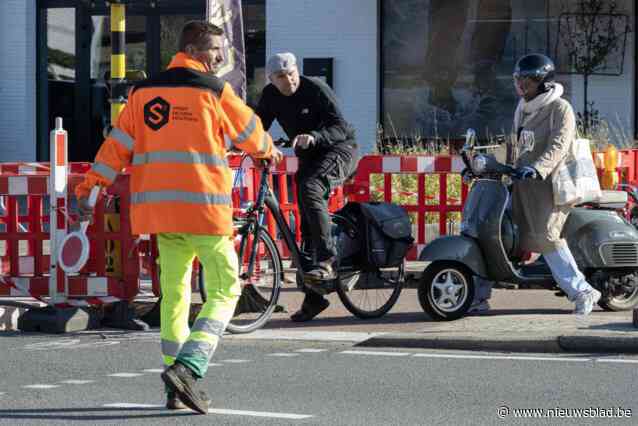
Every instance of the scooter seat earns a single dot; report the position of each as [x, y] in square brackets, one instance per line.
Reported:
[612, 200]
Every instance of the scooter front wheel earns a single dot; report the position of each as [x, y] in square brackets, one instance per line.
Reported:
[446, 290]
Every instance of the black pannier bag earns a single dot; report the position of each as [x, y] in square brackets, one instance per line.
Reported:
[385, 229]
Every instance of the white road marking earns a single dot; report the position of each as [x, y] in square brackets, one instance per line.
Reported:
[154, 370]
[302, 335]
[234, 361]
[52, 345]
[287, 416]
[283, 355]
[69, 344]
[125, 375]
[376, 353]
[41, 386]
[2, 393]
[619, 361]
[214, 364]
[495, 357]
[310, 351]
[77, 382]
[125, 405]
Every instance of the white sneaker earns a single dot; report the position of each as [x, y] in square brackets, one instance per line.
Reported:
[585, 302]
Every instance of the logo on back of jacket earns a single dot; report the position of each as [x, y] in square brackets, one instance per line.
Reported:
[156, 113]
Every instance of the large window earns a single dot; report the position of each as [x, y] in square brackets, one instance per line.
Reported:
[101, 45]
[254, 14]
[75, 53]
[447, 65]
[60, 69]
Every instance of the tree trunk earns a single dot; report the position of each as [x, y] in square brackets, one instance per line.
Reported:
[586, 108]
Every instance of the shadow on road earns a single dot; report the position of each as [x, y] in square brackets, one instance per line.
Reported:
[91, 413]
[399, 318]
[615, 326]
[325, 321]
[534, 311]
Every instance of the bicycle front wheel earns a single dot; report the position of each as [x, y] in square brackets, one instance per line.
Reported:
[261, 288]
[371, 294]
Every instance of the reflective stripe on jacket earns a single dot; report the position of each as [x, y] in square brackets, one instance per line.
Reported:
[171, 138]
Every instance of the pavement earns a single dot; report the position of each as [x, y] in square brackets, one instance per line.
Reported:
[517, 321]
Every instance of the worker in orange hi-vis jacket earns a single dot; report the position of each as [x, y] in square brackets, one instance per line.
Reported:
[171, 138]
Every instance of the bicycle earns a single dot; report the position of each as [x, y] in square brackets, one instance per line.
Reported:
[262, 274]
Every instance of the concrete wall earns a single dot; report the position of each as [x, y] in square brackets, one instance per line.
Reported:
[18, 81]
[345, 30]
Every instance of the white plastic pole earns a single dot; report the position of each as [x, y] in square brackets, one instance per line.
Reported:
[58, 284]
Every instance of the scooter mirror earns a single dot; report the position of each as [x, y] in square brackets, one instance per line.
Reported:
[470, 139]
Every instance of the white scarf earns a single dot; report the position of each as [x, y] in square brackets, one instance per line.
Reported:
[525, 111]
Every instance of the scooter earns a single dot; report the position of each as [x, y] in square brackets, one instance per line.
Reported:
[604, 244]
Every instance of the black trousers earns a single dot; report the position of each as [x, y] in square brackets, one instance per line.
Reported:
[316, 178]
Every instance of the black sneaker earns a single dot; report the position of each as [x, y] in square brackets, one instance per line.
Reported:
[174, 403]
[310, 310]
[181, 380]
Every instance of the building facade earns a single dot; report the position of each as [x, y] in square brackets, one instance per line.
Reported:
[414, 69]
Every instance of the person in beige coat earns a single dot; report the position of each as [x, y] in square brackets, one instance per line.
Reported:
[545, 128]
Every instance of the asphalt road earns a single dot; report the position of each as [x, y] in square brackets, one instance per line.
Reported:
[114, 379]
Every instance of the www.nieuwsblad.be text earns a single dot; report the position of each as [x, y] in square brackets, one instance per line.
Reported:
[565, 413]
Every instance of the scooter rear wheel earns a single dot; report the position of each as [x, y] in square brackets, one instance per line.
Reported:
[617, 303]
[446, 290]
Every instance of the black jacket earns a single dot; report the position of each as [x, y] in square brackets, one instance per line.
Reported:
[313, 110]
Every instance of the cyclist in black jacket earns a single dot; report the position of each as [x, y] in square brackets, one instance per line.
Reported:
[306, 109]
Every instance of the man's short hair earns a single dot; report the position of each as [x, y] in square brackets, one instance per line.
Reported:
[197, 33]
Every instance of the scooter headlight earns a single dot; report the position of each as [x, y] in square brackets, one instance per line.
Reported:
[479, 164]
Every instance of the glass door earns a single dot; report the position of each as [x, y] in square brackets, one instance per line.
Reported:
[74, 52]
[99, 66]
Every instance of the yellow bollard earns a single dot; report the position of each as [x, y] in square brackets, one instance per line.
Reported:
[118, 100]
[610, 175]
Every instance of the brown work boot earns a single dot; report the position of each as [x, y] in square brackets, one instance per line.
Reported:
[181, 380]
[174, 403]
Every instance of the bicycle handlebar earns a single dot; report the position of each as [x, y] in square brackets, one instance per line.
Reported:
[284, 143]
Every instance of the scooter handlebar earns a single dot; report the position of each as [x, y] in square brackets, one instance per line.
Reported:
[487, 165]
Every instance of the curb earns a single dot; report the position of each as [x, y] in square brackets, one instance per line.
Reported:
[538, 344]
[609, 344]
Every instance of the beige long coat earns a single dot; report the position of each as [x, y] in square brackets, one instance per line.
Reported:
[539, 220]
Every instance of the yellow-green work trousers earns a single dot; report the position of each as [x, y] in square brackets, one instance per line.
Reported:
[195, 347]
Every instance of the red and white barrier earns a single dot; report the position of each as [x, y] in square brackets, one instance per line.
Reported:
[38, 275]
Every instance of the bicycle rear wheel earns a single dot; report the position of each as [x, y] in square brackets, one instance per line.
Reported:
[371, 294]
[260, 290]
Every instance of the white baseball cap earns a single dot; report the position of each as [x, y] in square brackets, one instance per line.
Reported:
[280, 62]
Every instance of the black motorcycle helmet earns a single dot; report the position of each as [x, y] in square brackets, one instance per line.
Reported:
[535, 66]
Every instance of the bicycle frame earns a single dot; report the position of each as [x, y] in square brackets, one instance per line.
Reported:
[348, 275]
[266, 197]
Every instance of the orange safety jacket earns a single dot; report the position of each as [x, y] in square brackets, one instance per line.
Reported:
[170, 138]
